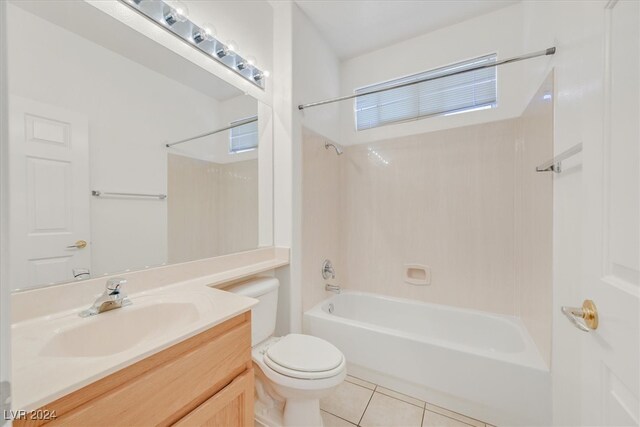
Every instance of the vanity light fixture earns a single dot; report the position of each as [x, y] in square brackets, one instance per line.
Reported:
[172, 15]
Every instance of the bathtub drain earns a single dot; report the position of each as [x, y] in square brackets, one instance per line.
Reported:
[330, 308]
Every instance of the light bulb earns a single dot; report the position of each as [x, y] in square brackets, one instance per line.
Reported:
[209, 30]
[222, 51]
[261, 75]
[177, 12]
[242, 64]
[204, 33]
[232, 46]
[251, 60]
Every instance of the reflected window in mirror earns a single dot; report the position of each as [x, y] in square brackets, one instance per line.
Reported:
[245, 136]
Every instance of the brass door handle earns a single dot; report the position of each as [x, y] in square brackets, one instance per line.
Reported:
[80, 244]
[588, 314]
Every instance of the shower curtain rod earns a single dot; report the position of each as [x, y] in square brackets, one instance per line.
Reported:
[235, 125]
[549, 51]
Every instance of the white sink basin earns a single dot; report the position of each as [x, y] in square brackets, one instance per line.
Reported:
[57, 354]
[120, 329]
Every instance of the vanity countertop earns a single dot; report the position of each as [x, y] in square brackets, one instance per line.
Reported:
[56, 354]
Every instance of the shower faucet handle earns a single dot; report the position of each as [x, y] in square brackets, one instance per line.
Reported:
[328, 271]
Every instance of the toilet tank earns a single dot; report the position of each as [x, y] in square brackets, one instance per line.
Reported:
[263, 314]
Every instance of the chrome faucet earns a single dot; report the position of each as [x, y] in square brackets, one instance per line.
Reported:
[332, 288]
[112, 298]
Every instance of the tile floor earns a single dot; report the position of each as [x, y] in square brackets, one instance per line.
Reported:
[360, 403]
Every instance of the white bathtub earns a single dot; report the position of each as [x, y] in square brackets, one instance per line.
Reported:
[480, 364]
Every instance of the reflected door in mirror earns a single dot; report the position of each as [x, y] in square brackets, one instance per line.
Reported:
[49, 200]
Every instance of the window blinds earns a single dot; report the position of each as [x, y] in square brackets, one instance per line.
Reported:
[462, 92]
[244, 137]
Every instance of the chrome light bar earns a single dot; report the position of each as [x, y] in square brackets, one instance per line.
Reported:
[173, 17]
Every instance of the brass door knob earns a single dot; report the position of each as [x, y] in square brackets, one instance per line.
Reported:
[588, 314]
[80, 244]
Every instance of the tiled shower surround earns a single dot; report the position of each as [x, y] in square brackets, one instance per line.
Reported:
[466, 202]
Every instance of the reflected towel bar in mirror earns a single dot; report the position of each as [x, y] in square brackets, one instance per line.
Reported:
[97, 193]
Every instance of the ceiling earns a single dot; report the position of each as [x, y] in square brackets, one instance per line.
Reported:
[354, 27]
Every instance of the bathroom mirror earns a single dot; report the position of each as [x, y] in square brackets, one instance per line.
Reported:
[105, 173]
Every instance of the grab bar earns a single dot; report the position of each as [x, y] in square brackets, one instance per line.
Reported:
[97, 193]
[555, 164]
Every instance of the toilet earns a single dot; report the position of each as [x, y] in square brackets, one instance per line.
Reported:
[293, 372]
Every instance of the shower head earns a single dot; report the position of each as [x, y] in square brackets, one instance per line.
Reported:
[336, 147]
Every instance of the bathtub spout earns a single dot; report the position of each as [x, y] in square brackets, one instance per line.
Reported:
[332, 288]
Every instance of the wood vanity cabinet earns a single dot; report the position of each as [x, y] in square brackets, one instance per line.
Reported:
[206, 380]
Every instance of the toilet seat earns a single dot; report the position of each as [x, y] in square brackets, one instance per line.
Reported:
[304, 357]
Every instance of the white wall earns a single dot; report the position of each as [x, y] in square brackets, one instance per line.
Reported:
[496, 32]
[304, 67]
[289, 318]
[315, 75]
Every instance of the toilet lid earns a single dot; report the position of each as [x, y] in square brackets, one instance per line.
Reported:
[303, 353]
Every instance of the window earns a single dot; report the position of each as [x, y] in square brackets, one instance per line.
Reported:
[453, 94]
[244, 137]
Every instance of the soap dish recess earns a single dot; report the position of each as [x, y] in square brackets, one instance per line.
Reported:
[417, 274]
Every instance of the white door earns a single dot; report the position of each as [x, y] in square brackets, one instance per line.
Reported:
[611, 354]
[49, 193]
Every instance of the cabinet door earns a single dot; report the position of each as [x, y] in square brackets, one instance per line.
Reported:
[172, 389]
[230, 407]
